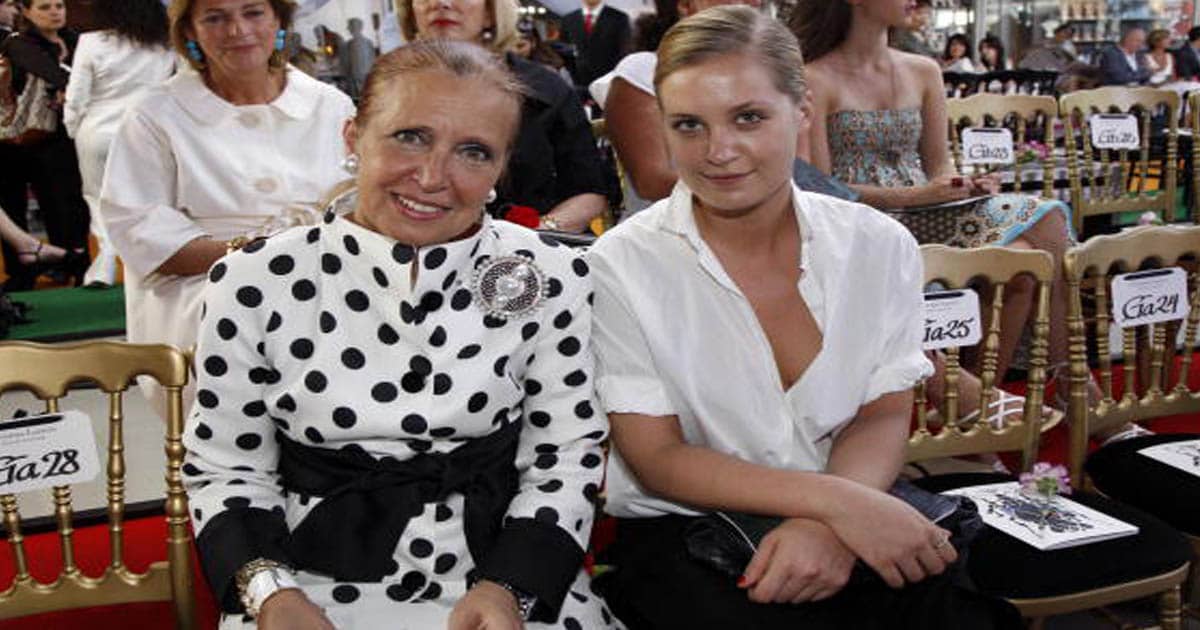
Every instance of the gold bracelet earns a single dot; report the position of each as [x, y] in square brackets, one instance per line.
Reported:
[548, 222]
[236, 243]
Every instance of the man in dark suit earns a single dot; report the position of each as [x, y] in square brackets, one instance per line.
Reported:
[601, 35]
[1187, 58]
[1125, 63]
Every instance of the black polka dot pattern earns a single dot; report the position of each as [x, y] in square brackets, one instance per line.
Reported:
[347, 340]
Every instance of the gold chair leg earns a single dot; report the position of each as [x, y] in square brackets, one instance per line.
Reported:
[1169, 609]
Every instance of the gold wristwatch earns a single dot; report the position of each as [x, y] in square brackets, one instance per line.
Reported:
[259, 579]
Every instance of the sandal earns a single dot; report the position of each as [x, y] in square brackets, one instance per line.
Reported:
[70, 266]
[1002, 407]
[1131, 430]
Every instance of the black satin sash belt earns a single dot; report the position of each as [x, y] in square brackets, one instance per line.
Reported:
[351, 535]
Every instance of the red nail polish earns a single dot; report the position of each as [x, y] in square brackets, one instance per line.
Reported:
[742, 581]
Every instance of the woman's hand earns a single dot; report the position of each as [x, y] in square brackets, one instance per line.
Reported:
[290, 609]
[802, 560]
[487, 606]
[986, 184]
[942, 189]
[890, 536]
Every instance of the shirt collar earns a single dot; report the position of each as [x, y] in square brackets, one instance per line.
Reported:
[297, 100]
[442, 265]
[680, 219]
[595, 11]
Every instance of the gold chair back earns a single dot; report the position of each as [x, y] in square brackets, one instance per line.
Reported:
[48, 372]
[1193, 115]
[1019, 113]
[957, 268]
[1089, 269]
[1120, 185]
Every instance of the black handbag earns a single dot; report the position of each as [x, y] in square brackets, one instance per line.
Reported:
[726, 541]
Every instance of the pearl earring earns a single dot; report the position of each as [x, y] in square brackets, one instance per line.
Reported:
[350, 164]
[491, 196]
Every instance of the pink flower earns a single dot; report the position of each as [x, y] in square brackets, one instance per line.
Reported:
[1046, 480]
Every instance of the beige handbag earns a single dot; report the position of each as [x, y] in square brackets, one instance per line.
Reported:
[26, 118]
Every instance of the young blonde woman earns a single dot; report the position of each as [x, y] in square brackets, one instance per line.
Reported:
[756, 348]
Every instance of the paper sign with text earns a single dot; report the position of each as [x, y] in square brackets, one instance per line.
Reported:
[952, 319]
[987, 145]
[1149, 297]
[44, 451]
[1115, 131]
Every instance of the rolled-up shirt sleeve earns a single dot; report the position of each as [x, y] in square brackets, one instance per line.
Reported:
[902, 362]
[627, 379]
[138, 196]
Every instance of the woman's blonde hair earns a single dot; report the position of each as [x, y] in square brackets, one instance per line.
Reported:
[499, 38]
[1157, 36]
[459, 59]
[180, 16]
[734, 29]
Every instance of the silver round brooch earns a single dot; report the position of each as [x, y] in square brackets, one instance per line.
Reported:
[509, 286]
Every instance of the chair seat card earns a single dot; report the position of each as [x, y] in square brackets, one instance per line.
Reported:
[49, 450]
[952, 319]
[1149, 297]
[987, 145]
[1182, 455]
[1114, 131]
[1056, 524]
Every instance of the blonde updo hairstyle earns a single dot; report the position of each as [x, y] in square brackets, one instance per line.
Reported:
[180, 15]
[462, 60]
[734, 29]
[499, 38]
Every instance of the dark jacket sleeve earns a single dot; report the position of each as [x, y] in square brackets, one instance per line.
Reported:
[30, 58]
[576, 157]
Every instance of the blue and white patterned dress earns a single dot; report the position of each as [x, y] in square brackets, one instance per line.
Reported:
[881, 148]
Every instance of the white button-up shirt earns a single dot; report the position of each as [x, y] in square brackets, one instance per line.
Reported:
[675, 336]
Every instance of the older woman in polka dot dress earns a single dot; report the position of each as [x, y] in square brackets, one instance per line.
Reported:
[394, 424]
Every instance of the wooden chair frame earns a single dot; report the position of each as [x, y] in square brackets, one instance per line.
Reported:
[1100, 198]
[1128, 252]
[48, 372]
[957, 267]
[977, 110]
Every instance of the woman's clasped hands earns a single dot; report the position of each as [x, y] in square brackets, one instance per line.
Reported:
[892, 537]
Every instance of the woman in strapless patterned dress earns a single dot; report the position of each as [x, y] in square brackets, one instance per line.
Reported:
[879, 125]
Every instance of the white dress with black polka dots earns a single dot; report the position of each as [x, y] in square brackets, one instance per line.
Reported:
[341, 337]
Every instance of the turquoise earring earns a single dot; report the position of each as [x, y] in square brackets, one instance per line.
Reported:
[280, 39]
[193, 51]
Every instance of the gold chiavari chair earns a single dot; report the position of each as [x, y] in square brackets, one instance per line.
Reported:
[1038, 583]
[1020, 113]
[1151, 386]
[956, 268]
[1193, 114]
[1122, 184]
[47, 372]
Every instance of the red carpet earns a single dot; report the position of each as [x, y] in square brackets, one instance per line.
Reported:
[145, 544]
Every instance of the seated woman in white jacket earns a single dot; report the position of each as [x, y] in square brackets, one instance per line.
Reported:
[237, 146]
[113, 70]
